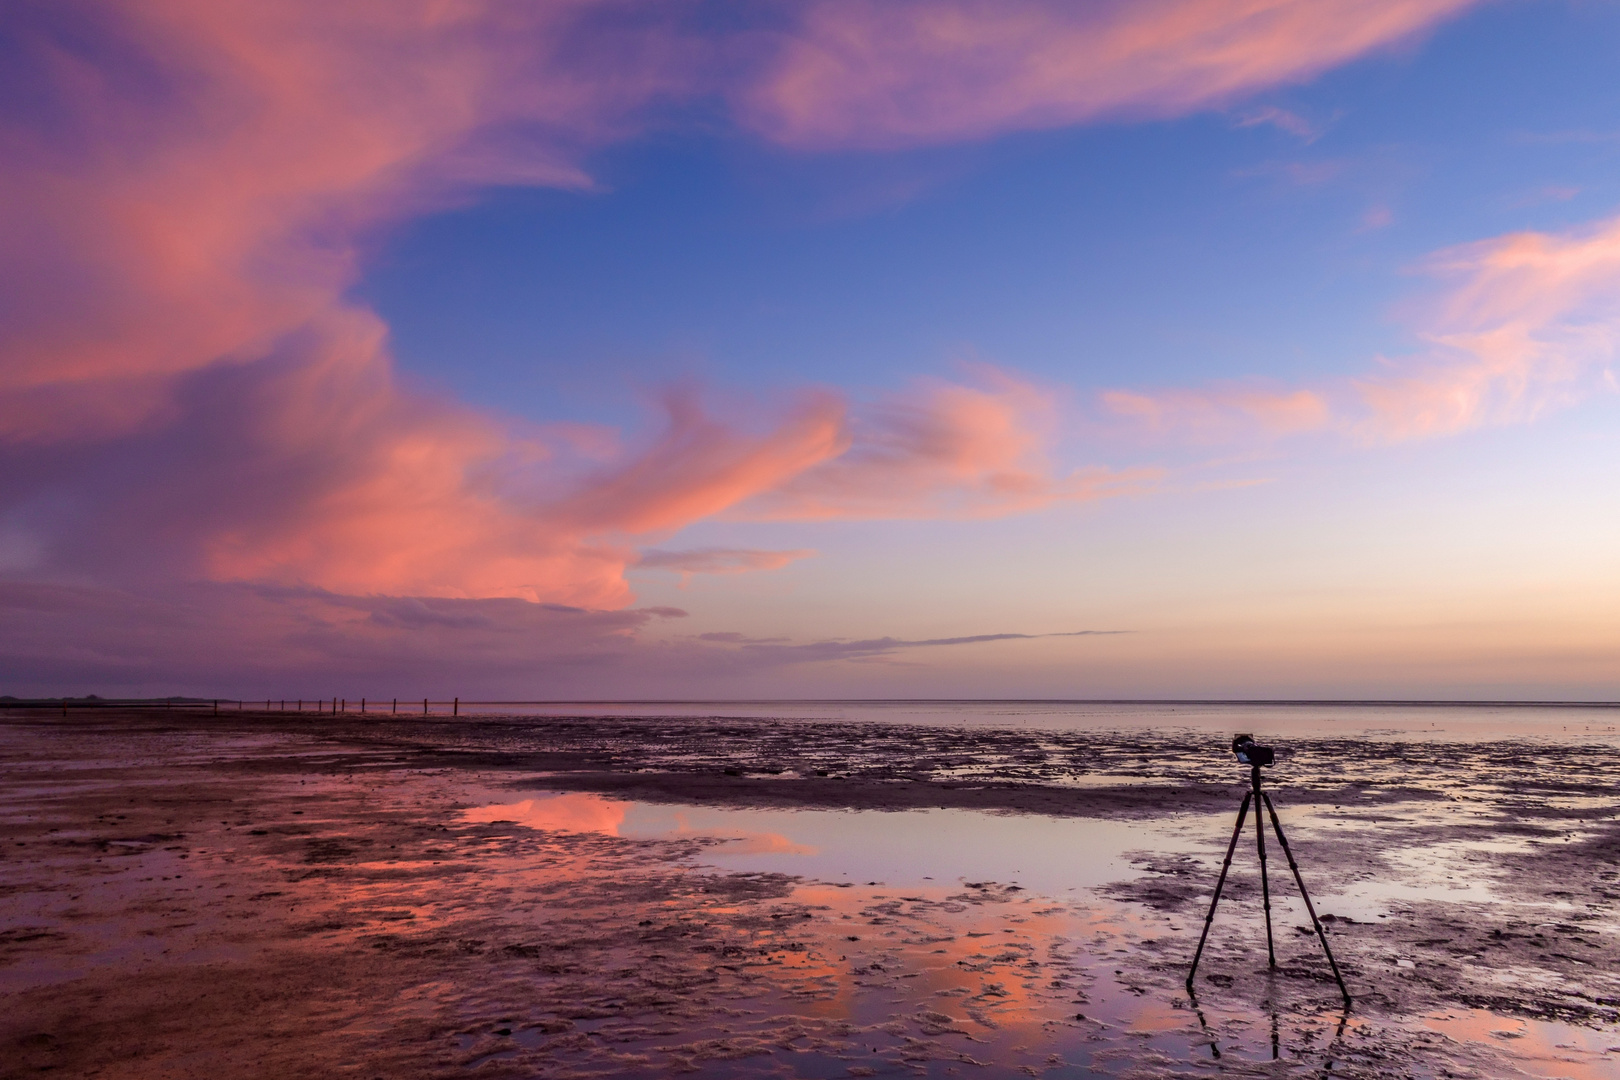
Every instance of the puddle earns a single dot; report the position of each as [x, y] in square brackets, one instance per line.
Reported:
[1048, 855]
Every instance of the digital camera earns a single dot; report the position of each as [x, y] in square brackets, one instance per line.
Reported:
[1252, 753]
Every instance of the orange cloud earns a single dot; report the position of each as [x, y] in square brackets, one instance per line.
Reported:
[885, 73]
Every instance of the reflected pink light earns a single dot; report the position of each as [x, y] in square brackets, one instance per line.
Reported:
[575, 812]
[586, 813]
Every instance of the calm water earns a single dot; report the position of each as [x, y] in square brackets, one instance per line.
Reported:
[1466, 722]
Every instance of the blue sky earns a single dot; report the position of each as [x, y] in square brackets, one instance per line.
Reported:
[1117, 254]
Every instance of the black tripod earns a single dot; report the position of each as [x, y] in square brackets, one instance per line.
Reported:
[1255, 756]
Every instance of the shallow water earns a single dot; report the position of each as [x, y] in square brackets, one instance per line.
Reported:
[1049, 855]
[555, 897]
[1395, 720]
[1061, 868]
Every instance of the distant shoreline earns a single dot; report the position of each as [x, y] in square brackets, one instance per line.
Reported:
[10, 701]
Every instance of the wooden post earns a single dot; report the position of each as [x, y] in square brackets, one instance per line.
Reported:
[396, 705]
[424, 706]
[456, 708]
[362, 706]
[216, 706]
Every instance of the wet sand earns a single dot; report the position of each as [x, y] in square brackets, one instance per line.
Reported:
[264, 894]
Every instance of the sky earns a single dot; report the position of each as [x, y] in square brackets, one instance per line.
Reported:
[575, 349]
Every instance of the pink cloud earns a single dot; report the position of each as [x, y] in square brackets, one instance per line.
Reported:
[945, 450]
[187, 394]
[1221, 412]
[718, 560]
[200, 187]
[903, 72]
[1530, 323]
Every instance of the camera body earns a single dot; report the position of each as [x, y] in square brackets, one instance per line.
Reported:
[1252, 753]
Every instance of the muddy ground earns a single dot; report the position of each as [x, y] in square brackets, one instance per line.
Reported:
[283, 895]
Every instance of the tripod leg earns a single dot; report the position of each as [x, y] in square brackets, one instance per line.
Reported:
[1265, 884]
[1321, 934]
[1237, 831]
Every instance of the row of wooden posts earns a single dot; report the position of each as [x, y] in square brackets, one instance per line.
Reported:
[337, 705]
[342, 705]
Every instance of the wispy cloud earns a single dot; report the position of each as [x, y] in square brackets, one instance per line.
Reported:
[942, 449]
[874, 648]
[1530, 323]
[904, 72]
[713, 560]
[1221, 412]
[1283, 120]
[233, 638]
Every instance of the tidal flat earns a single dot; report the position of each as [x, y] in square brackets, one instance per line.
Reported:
[804, 892]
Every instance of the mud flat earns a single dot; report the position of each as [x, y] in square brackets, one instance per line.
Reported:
[280, 895]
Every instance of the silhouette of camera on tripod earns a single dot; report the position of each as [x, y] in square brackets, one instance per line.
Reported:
[1257, 757]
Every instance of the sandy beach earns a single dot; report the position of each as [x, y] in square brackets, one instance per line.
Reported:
[295, 895]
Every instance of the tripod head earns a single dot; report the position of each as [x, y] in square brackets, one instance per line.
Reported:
[1250, 752]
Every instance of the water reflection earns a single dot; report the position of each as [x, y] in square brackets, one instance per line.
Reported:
[572, 812]
[580, 812]
[1054, 856]
[918, 938]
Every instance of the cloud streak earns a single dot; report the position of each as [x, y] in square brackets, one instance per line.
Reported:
[870, 73]
[718, 560]
[1529, 324]
[777, 652]
[946, 450]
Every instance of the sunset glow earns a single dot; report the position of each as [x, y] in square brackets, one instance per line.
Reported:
[577, 349]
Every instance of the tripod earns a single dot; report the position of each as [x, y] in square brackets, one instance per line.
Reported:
[1247, 753]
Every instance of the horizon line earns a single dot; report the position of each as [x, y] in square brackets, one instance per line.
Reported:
[13, 701]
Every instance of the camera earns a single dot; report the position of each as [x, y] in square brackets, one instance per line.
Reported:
[1252, 753]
